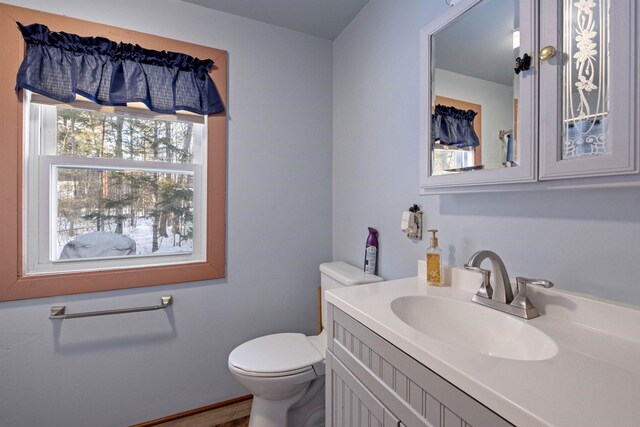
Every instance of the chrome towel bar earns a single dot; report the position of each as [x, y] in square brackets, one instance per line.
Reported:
[58, 311]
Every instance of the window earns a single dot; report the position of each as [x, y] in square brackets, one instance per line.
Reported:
[196, 251]
[447, 160]
[109, 189]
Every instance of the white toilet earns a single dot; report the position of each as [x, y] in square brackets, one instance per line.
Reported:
[285, 372]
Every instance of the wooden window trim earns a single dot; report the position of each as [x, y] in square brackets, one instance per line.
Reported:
[13, 286]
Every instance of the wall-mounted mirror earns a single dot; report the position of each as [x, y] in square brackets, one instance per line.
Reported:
[474, 90]
[478, 125]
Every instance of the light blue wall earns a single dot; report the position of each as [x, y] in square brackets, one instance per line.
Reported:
[127, 369]
[120, 370]
[586, 241]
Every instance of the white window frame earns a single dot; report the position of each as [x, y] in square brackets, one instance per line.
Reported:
[40, 194]
[462, 158]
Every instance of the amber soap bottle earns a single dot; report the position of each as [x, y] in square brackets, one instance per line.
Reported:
[434, 261]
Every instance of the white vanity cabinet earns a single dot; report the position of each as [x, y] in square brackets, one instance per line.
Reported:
[575, 117]
[370, 382]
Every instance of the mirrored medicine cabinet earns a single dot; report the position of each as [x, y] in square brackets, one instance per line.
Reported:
[526, 94]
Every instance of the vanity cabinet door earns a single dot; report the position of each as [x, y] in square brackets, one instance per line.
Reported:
[411, 391]
[349, 403]
[588, 90]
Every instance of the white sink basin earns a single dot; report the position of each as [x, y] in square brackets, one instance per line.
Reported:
[474, 327]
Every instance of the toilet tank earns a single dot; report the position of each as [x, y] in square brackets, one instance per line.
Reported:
[338, 275]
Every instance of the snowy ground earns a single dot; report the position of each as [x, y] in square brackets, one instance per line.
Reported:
[143, 236]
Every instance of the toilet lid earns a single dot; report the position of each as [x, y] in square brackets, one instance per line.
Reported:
[275, 353]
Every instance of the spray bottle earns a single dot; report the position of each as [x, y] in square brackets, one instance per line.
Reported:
[371, 252]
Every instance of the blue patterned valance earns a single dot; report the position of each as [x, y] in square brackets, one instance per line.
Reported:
[61, 65]
[453, 127]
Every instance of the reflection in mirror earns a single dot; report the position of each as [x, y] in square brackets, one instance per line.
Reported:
[474, 90]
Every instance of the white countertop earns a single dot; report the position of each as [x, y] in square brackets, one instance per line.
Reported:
[593, 380]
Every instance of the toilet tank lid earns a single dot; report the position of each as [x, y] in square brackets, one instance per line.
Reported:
[347, 274]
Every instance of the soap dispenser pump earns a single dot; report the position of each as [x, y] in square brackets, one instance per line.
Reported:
[434, 261]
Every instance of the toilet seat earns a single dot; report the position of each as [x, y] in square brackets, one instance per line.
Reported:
[275, 355]
[272, 374]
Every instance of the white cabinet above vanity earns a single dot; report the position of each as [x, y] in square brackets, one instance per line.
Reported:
[530, 94]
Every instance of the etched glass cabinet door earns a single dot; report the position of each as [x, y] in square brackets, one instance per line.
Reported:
[588, 88]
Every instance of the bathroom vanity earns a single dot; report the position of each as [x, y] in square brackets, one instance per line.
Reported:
[401, 353]
[373, 380]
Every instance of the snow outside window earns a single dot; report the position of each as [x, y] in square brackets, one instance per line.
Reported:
[449, 160]
[112, 187]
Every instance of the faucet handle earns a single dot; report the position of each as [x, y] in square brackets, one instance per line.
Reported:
[538, 282]
[485, 291]
[521, 299]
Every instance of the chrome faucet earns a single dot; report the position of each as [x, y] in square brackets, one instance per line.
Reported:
[499, 270]
[519, 306]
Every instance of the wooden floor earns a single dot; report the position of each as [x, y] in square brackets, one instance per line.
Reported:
[236, 415]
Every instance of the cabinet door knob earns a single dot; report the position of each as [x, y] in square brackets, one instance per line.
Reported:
[546, 53]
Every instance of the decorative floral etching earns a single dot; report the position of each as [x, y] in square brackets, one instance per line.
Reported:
[585, 87]
[586, 55]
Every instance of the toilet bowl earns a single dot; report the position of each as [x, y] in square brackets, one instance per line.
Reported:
[285, 371]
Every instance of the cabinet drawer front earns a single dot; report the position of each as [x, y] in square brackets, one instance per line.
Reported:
[352, 404]
[417, 395]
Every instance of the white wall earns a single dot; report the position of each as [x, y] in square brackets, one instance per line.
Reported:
[120, 370]
[496, 101]
[586, 241]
